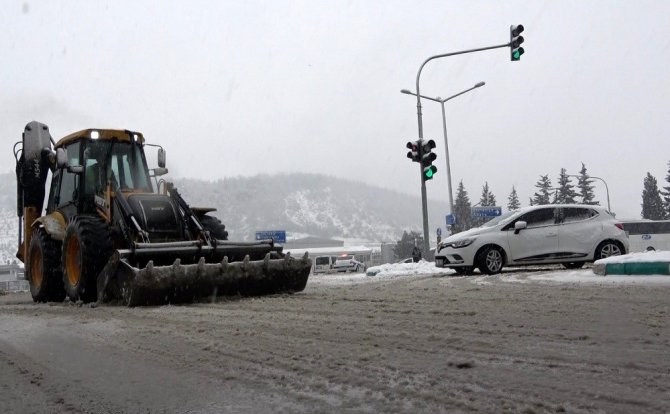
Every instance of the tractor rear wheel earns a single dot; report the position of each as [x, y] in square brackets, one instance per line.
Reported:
[215, 227]
[86, 249]
[43, 270]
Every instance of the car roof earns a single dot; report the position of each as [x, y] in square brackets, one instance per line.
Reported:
[537, 207]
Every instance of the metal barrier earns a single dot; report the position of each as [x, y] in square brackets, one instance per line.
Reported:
[15, 286]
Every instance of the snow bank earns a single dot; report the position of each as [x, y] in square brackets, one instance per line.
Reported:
[642, 257]
[407, 269]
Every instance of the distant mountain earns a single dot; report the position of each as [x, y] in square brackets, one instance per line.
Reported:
[301, 204]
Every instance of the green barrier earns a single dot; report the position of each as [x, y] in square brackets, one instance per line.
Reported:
[652, 268]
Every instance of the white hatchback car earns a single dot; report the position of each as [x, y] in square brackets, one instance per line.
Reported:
[569, 234]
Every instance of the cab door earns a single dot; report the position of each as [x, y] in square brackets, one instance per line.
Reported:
[538, 241]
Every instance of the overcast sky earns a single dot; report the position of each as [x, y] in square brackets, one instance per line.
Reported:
[245, 87]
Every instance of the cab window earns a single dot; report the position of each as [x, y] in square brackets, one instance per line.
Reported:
[70, 181]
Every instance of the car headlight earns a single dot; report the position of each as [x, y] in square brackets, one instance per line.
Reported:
[462, 243]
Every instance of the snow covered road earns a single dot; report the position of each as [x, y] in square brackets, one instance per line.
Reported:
[536, 340]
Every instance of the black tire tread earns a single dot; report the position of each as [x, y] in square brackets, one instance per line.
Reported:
[214, 226]
[51, 289]
[95, 244]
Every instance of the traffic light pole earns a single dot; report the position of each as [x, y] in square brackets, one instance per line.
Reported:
[424, 200]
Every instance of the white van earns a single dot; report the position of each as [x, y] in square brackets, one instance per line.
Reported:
[324, 264]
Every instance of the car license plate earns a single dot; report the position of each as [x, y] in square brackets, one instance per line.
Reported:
[439, 262]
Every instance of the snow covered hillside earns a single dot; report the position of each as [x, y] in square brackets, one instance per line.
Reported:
[301, 204]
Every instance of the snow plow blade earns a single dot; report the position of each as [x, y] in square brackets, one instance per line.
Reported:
[119, 282]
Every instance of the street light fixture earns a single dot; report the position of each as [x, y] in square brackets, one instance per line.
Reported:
[444, 127]
[607, 190]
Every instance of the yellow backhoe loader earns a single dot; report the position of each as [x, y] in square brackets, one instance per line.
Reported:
[113, 231]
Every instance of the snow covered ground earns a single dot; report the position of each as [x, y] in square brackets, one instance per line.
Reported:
[534, 274]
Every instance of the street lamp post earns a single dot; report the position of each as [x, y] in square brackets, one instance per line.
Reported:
[607, 190]
[444, 127]
[424, 199]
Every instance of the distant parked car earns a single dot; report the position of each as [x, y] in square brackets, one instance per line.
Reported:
[570, 234]
[348, 263]
[324, 264]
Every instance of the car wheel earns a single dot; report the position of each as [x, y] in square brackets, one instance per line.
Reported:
[490, 260]
[573, 265]
[606, 249]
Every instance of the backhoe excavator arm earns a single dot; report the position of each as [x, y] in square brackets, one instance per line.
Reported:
[32, 165]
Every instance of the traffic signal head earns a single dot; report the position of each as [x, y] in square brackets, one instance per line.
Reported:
[515, 41]
[413, 153]
[427, 158]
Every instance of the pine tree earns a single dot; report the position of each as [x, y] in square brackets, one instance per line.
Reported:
[565, 193]
[585, 187]
[542, 196]
[652, 204]
[462, 210]
[513, 201]
[666, 193]
[403, 247]
[487, 199]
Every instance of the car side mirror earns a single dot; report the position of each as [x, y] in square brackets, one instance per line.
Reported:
[161, 158]
[519, 225]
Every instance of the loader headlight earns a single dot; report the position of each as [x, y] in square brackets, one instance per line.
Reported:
[462, 242]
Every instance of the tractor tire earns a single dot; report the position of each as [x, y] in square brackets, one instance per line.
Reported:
[44, 271]
[215, 227]
[86, 249]
[490, 260]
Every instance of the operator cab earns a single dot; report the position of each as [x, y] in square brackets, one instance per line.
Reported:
[93, 158]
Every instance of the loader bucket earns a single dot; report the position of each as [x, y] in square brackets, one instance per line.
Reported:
[119, 282]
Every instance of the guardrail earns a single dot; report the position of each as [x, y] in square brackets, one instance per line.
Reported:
[15, 286]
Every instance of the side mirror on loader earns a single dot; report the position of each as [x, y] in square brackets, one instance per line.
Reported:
[161, 158]
[61, 158]
[159, 171]
[61, 162]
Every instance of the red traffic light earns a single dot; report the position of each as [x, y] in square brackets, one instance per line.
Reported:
[413, 153]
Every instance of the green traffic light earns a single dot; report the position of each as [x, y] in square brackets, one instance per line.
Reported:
[429, 173]
[516, 54]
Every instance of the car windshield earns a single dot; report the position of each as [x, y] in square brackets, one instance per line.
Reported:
[500, 219]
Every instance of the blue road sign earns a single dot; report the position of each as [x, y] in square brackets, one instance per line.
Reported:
[279, 236]
[451, 219]
[486, 211]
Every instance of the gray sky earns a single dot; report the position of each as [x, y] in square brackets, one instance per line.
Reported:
[246, 87]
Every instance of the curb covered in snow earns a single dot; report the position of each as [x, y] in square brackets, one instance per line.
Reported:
[647, 263]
